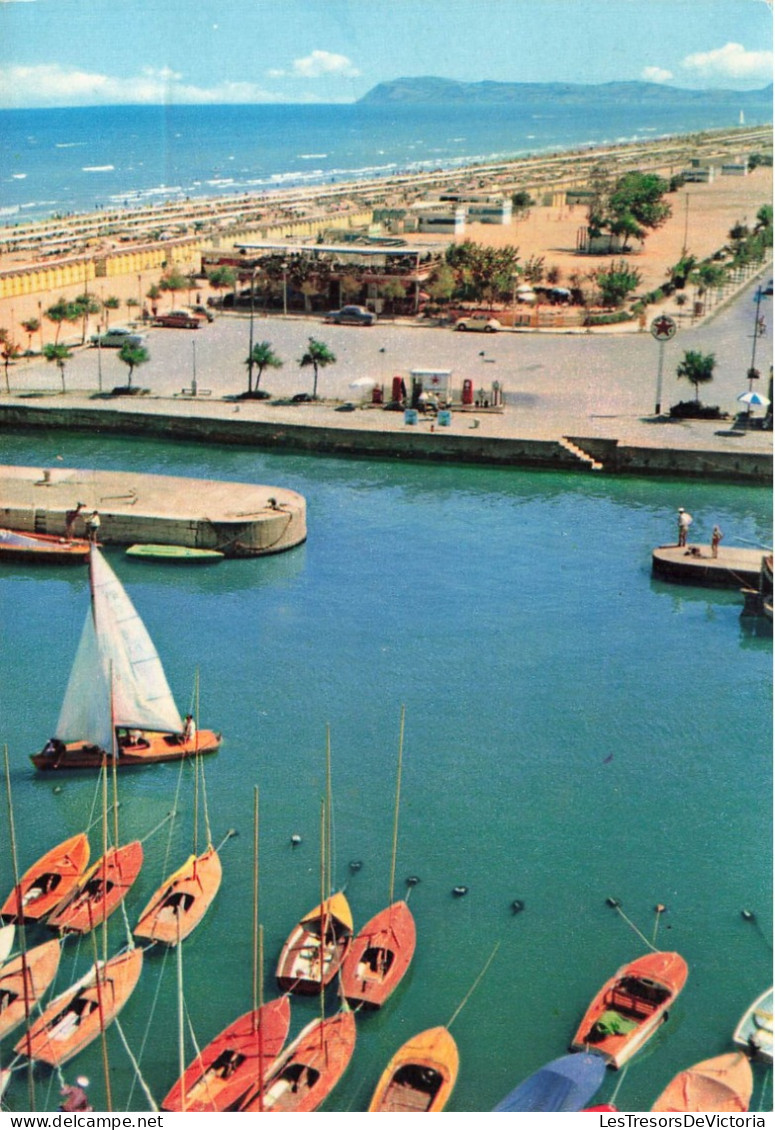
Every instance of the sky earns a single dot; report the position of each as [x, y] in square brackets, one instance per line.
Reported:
[103, 52]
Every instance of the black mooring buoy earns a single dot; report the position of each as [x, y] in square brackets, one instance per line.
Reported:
[355, 866]
[412, 880]
[517, 906]
[612, 901]
[458, 892]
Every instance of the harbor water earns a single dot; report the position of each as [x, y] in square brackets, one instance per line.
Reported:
[575, 731]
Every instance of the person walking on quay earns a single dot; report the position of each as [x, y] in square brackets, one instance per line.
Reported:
[93, 526]
[71, 517]
[715, 538]
[684, 522]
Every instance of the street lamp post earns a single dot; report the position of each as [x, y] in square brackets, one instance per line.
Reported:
[99, 356]
[285, 289]
[250, 339]
[753, 372]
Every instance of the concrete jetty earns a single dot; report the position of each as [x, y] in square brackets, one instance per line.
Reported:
[694, 564]
[239, 519]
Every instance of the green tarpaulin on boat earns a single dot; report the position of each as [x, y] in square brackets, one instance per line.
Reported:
[612, 1023]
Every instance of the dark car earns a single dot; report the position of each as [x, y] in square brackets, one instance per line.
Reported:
[178, 320]
[116, 337]
[767, 290]
[302, 398]
[352, 316]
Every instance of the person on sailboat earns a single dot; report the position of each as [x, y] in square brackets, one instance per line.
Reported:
[93, 526]
[189, 728]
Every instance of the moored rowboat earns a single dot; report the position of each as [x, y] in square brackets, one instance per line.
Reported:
[630, 1007]
[49, 881]
[420, 1076]
[305, 962]
[565, 1084]
[754, 1032]
[724, 1083]
[174, 553]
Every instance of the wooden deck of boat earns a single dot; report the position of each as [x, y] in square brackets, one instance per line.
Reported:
[238, 519]
[694, 564]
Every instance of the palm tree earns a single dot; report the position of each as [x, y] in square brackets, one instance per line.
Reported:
[9, 351]
[697, 368]
[318, 355]
[86, 304]
[111, 303]
[62, 311]
[30, 327]
[222, 278]
[133, 355]
[263, 357]
[59, 354]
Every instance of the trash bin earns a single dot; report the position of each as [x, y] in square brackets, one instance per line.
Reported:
[410, 416]
[444, 418]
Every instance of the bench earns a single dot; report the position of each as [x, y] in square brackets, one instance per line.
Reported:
[196, 391]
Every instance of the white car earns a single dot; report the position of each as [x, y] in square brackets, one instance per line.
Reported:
[116, 337]
[478, 323]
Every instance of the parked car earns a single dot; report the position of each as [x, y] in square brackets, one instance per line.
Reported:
[479, 323]
[352, 316]
[178, 320]
[768, 289]
[200, 312]
[116, 337]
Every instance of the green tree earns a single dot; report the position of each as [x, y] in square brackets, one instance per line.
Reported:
[62, 311]
[521, 201]
[111, 303]
[222, 278]
[133, 356]
[31, 326]
[763, 224]
[173, 282]
[318, 355]
[616, 281]
[680, 271]
[262, 357]
[9, 351]
[637, 200]
[86, 304]
[697, 368]
[394, 291]
[60, 355]
[441, 285]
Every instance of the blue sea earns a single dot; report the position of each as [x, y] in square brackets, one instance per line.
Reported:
[80, 159]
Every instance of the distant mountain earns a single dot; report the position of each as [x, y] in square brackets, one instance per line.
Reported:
[445, 91]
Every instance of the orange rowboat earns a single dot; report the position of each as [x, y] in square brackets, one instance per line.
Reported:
[48, 882]
[378, 957]
[309, 1069]
[231, 1064]
[304, 962]
[36, 969]
[182, 900]
[102, 889]
[721, 1084]
[631, 1006]
[421, 1075]
[77, 1016]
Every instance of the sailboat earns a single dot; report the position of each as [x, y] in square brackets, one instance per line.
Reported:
[315, 948]
[381, 953]
[102, 889]
[49, 881]
[181, 901]
[117, 683]
[36, 969]
[82, 1012]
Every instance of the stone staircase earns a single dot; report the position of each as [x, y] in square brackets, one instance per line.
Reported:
[588, 460]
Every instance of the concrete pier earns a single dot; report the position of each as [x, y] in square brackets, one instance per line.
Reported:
[239, 519]
[694, 564]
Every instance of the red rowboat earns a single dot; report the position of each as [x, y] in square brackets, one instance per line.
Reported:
[220, 1077]
[49, 881]
[102, 889]
[378, 957]
[18, 546]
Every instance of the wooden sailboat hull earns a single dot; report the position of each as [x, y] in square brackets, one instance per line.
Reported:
[46, 548]
[378, 957]
[721, 1084]
[299, 966]
[182, 900]
[152, 748]
[309, 1069]
[36, 971]
[631, 1006]
[77, 1016]
[233, 1062]
[420, 1076]
[49, 882]
[101, 890]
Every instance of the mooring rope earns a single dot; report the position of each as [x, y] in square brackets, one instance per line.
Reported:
[151, 1015]
[136, 1066]
[617, 907]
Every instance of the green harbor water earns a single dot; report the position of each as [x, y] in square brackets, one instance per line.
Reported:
[574, 730]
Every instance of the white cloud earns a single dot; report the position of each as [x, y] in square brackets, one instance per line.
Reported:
[50, 84]
[731, 61]
[319, 63]
[656, 74]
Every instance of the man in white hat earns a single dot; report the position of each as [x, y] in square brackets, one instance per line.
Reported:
[684, 522]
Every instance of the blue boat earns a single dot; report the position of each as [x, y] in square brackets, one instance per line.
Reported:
[567, 1083]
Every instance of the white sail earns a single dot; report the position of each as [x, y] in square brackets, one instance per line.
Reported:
[85, 714]
[142, 698]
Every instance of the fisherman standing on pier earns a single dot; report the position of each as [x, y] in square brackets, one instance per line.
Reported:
[93, 526]
[715, 538]
[684, 522]
[71, 517]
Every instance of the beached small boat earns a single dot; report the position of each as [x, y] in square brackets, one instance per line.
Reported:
[181, 901]
[421, 1075]
[630, 1007]
[18, 546]
[175, 553]
[715, 1085]
[564, 1084]
[102, 889]
[77, 1016]
[49, 881]
[308, 1070]
[231, 1064]
[117, 697]
[316, 948]
[36, 970]
[754, 1032]
[378, 957]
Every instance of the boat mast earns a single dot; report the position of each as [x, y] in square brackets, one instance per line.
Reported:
[22, 931]
[398, 800]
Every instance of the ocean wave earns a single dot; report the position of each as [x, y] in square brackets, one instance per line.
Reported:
[69, 144]
[98, 168]
[311, 156]
[18, 176]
